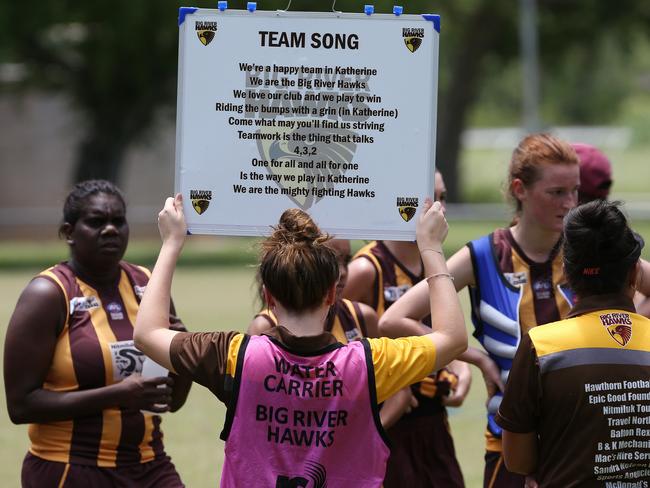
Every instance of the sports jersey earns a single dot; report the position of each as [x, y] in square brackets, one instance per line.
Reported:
[511, 295]
[393, 278]
[95, 349]
[423, 450]
[218, 361]
[344, 321]
[583, 383]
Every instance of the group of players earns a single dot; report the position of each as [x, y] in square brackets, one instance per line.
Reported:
[93, 427]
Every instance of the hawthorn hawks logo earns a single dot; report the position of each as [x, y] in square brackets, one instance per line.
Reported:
[200, 200]
[413, 38]
[619, 326]
[206, 31]
[407, 207]
[306, 178]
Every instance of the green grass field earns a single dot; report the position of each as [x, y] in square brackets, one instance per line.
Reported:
[214, 290]
[208, 297]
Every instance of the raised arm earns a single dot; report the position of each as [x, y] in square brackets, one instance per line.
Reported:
[152, 334]
[449, 334]
[182, 385]
[30, 343]
[404, 317]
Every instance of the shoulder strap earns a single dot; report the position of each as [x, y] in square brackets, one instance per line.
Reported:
[232, 404]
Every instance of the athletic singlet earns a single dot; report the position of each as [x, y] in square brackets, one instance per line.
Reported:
[95, 349]
[511, 295]
[299, 419]
[393, 278]
[344, 320]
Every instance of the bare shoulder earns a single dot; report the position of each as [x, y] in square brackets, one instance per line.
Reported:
[361, 278]
[41, 296]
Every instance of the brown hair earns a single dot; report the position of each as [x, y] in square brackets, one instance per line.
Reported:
[297, 267]
[529, 156]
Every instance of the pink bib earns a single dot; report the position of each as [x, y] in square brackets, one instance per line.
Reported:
[304, 420]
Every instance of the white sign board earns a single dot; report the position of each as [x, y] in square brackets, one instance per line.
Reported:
[332, 113]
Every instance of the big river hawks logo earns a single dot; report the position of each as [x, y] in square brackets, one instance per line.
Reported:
[407, 207]
[205, 30]
[413, 37]
[200, 200]
[619, 326]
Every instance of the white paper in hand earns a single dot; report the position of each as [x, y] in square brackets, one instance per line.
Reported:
[151, 369]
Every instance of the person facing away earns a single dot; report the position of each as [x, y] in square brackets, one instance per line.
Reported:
[70, 366]
[301, 405]
[575, 410]
[514, 276]
[347, 320]
[422, 447]
[596, 183]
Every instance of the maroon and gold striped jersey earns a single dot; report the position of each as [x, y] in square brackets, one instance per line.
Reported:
[344, 321]
[95, 349]
[541, 301]
[393, 278]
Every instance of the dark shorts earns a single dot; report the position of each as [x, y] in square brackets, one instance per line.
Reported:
[497, 476]
[422, 454]
[39, 473]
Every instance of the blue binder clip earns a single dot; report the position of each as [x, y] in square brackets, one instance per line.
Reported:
[369, 9]
[222, 5]
[251, 6]
[398, 10]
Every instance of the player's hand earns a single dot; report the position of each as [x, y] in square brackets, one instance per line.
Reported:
[460, 390]
[431, 229]
[152, 394]
[530, 482]
[171, 221]
[491, 376]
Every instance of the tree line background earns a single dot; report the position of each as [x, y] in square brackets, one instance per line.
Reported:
[116, 62]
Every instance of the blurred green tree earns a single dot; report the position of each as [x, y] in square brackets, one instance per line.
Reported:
[116, 61]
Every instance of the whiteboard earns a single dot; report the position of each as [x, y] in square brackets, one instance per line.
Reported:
[333, 113]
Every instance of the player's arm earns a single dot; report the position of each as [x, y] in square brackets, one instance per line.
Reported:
[361, 282]
[460, 266]
[30, 343]
[457, 395]
[152, 334]
[520, 452]
[447, 322]
[489, 369]
[182, 385]
[370, 320]
[519, 411]
[642, 297]
[397, 405]
[404, 317]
